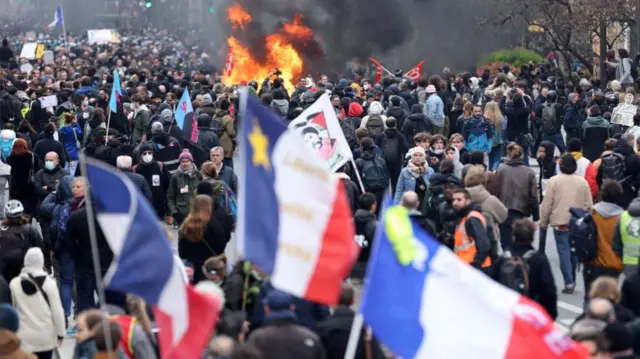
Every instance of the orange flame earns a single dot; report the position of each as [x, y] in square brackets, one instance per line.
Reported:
[280, 54]
[238, 16]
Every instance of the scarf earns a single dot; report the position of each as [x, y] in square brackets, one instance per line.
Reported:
[188, 171]
[576, 155]
[417, 171]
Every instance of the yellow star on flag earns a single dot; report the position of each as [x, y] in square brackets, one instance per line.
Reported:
[260, 145]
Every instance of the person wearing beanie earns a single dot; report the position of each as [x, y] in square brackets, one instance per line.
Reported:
[157, 176]
[9, 341]
[181, 188]
[415, 176]
[166, 149]
[207, 107]
[37, 301]
[207, 136]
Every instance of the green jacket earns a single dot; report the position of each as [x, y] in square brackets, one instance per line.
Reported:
[140, 124]
[228, 133]
[181, 189]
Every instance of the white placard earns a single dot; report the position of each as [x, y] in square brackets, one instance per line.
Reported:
[49, 101]
[29, 50]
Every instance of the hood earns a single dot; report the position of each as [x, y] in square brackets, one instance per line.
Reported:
[368, 155]
[166, 116]
[363, 216]
[282, 105]
[355, 110]
[597, 121]
[391, 132]
[478, 193]
[375, 108]
[221, 113]
[448, 178]
[634, 207]
[416, 117]
[549, 148]
[204, 120]
[7, 135]
[417, 108]
[607, 209]
[623, 148]
[63, 193]
[395, 112]
[9, 342]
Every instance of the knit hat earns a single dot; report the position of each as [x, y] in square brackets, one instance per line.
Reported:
[207, 100]
[145, 147]
[417, 149]
[431, 89]
[9, 318]
[185, 155]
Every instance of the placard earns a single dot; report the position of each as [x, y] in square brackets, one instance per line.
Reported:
[49, 101]
[29, 51]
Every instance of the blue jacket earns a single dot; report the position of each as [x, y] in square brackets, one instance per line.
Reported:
[572, 118]
[54, 202]
[87, 90]
[69, 140]
[434, 110]
[406, 182]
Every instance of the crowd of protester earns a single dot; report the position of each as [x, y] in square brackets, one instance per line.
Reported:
[454, 149]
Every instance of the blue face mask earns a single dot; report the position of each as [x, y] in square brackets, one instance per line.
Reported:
[49, 165]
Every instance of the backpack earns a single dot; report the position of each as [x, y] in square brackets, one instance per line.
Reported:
[216, 125]
[227, 200]
[7, 110]
[514, 272]
[349, 131]
[479, 133]
[583, 235]
[613, 167]
[375, 125]
[391, 149]
[549, 119]
[13, 247]
[374, 177]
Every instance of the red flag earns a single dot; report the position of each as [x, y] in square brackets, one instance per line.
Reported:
[378, 75]
[228, 66]
[415, 73]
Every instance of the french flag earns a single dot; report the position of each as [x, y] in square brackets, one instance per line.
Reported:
[144, 264]
[294, 222]
[423, 302]
[58, 19]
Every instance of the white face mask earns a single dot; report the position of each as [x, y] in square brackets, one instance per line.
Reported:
[147, 158]
[85, 115]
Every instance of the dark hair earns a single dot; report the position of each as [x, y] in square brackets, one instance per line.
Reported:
[395, 100]
[476, 158]
[594, 110]
[574, 145]
[347, 294]
[391, 122]
[101, 339]
[366, 201]
[466, 193]
[611, 191]
[362, 133]
[205, 187]
[49, 129]
[421, 137]
[246, 351]
[224, 104]
[136, 98]
[610, 144]
[367, 144]
[447, 167]
[524, 231]
[568, 164]
[636, 119]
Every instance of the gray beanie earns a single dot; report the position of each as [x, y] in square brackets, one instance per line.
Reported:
[206, 100]
[166, 116]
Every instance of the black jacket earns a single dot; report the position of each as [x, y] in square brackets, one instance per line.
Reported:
[572, 118]
[44, 177]
[213, 244]
[110, 152]
[167, 150]
[517, 119]
[394, 159]
[366, 224]
[547, 165]
[5, 292]
[542, 287]
[399, 114]
[79, 245]
[632, 172]
[48, 144]
[158, 179]
[140, 182]
[631, 294]
[20, 188]
[207, 138]
[414, 123]
[334, 334]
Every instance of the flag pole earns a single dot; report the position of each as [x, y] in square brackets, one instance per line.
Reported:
[91, 223]
[64, 28]
[354, 337]
[355, 169]
[108, 123]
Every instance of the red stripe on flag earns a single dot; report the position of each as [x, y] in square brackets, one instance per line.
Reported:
[202, 316]
[535, 336]
[337, 254]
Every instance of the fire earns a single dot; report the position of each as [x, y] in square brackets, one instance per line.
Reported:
[238, 16]
[281, 53]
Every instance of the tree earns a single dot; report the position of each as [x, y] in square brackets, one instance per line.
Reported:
[571, 26]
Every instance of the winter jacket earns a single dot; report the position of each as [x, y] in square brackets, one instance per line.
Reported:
[476, 230]
[394, 159]
[416, 122]
[632, 172]
[181, 189]
[167, 150]
[366, 224]
[434, 110]
[371, 156]
[47, 178]
[10, 107]
[79, 245]
[49, 144]
[355, 114]
[41, 322]
[334, 334]
[207, 137]
[542, 287]
[375, 108]
[228, 176]
[517, 119]
[631, 293]
[606, 216]
[547, 166]
[399, 114]
[71, 141]
[140, 182]
[280, 107]
[10, 347]
[572, 118]
[20, 188]
[158, 179]
[517, 188]
[585, 170]
[563, 192]
[114, 148]
[597, 131]
[407, 182]
[208, 109]
[228, 133]
[38, 117]
[351, 190]
[141, 119]
[286, 339]
[492, 209]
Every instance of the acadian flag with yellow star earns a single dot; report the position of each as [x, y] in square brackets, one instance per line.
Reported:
[294, 221]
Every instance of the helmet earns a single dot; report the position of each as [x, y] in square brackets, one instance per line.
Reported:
[13, 209]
